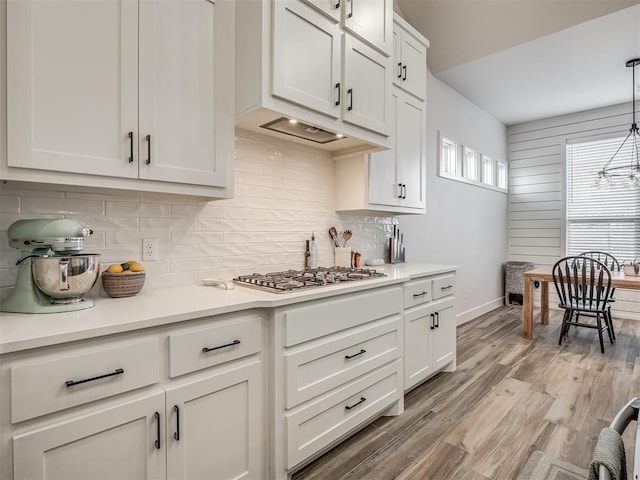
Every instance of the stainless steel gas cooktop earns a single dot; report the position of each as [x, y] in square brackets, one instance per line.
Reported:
[294, 280]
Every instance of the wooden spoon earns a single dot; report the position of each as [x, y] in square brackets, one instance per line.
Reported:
[333, 233]
[347, 236]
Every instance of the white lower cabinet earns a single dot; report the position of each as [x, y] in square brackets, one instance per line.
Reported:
[214, 426]
[123, 442]
[224, 397]
[113, 415]
[430, 330]
[337, 365]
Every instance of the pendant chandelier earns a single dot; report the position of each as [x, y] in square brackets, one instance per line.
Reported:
[630, 172]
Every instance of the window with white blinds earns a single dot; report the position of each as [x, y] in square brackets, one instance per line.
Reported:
[601, 219]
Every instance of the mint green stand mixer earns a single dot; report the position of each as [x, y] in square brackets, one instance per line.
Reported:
[53, 276]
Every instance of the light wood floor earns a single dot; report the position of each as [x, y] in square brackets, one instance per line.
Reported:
[509, 396]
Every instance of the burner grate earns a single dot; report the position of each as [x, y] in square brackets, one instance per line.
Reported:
[295, 280]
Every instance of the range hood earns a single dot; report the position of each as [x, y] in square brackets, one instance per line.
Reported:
[302, 131]
[291, 126]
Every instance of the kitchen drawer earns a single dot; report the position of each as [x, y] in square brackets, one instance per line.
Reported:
[417, 292]
[82, 376]
[443, 285]
[319, 318]
[314, 370]
[313, 428]
[220, 342]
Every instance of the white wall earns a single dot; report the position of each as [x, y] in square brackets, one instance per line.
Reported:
[465, 224]
[537, 152]
[283, 192]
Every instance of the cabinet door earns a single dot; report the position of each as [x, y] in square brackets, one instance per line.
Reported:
[72, 80]
[372, 21]
[306, 57]
[444, 336]
[383, 181]
[112, 443]
[418, 329]
[214, 426]
[367, 87]
[411, 150]
[182, 81]
[410, 65]
[329, 7]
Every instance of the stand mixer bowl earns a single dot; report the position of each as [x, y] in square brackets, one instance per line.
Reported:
[65, 279]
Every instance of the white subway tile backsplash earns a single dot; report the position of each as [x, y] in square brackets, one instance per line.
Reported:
[128, 209]
[219, 225]
[195, 264]
[108, 224]
[211, 211]
[222, 250]
[62, 206]
[243, 237]
[245, 192]
[151, 225]
[174, 251]
[196, 238]
[283, 192]
[263, 180]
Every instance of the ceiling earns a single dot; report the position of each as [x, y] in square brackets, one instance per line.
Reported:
[523, 60]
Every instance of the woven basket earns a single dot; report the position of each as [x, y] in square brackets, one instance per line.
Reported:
[122, 284]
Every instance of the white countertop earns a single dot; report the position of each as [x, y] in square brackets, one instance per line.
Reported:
[152, 308]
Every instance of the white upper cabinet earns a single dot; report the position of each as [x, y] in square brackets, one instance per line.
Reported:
[180, 87]
[72, 70]
[371, 21]
[397, 176]
[367, 87]
[123, 94]
[393, 180]
[306, 58]
[294, 59]
[331, 8]
[410, 59]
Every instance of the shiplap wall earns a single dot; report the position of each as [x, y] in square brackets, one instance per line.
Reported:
[537, 186]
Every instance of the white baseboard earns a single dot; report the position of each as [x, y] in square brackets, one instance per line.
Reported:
[475, 312]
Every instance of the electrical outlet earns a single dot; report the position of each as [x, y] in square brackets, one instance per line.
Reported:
[149, 249]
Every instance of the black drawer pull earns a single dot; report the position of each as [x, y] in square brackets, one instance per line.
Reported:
[176, 434]
[209, 349]
[421, 294]
[433, 324]
[71, 383]
[447, 287]
[404, 72]
[437, 319]
[157, 442]
[349, 407]
[347, 357]
[350, 94]
[148, 139]
[130, 137]
[339, 92]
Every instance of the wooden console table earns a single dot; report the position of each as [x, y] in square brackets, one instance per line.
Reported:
[544, 276]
